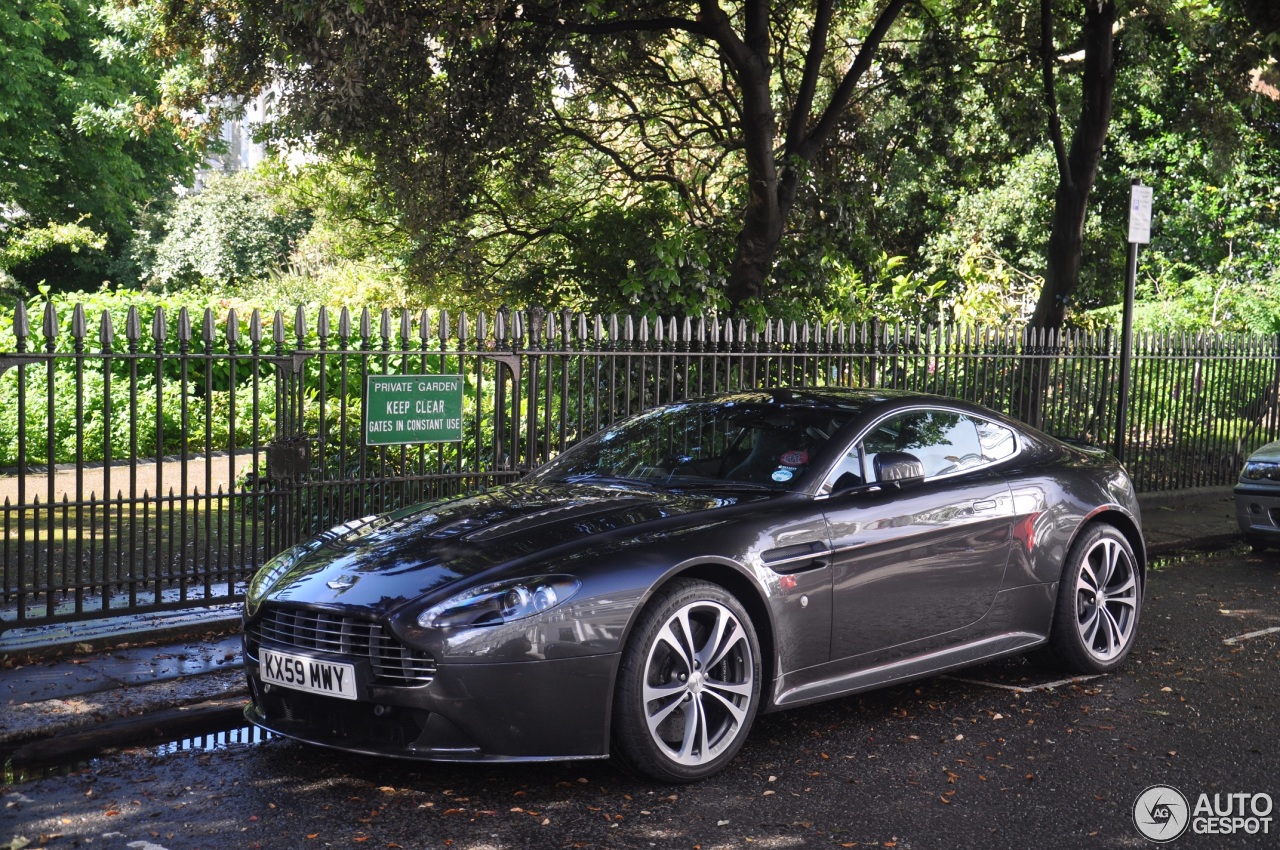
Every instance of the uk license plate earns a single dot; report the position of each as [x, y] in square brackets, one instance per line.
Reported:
[308, 674]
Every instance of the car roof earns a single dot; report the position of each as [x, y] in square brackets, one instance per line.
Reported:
[855, 400]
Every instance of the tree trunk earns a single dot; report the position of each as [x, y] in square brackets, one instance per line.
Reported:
[1077, 171]
[1078, 168]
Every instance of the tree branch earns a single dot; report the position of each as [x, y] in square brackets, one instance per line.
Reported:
[1050, 92]
[844, 93]
[812, 72]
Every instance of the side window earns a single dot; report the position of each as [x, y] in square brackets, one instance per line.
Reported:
[997, 441]
[945, 442]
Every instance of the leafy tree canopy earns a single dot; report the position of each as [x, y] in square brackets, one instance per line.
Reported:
[85, 133]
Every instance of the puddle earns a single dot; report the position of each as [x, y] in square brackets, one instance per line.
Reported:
[218, 737]
[222, 739]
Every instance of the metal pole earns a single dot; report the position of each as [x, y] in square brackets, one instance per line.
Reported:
[1139, 232]
[1126, 352]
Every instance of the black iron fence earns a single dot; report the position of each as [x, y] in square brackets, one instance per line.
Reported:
[154, 462]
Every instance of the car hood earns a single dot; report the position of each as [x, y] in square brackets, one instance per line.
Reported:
[381, 562]
[1270, 453]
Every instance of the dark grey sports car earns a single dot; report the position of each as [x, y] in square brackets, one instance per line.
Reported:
[647, 592]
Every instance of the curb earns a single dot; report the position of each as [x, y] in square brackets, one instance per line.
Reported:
[38, 721]
[155, 726]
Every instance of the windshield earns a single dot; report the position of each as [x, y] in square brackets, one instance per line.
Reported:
[700, 443]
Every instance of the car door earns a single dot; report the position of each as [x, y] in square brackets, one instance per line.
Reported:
[924, 559]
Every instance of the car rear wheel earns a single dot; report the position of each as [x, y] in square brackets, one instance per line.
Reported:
[1099, 602]
[689, 684]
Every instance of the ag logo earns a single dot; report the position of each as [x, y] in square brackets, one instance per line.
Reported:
[1161, 813]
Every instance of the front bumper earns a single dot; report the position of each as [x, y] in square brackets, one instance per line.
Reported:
[1258, 511]
[515, 711]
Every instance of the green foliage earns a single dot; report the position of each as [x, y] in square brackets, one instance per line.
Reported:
[26, 243]
[85, 134]
[233, 230]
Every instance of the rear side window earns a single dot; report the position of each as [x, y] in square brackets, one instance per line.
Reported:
[997, 441]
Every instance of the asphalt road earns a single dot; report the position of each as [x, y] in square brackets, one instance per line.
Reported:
[987, 758]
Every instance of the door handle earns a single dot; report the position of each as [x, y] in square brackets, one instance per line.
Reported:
[985, 505]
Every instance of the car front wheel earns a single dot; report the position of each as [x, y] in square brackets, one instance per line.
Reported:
[689, 684]
[1099, 601]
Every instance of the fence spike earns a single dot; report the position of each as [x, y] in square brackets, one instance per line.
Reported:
[106, 333]
[21, 324]
[322, 325]
[207, 328]
[255, 327]
[50, 326]
[444, 327]
[644, 330]
[184, 325]
[159, 326]
[79, 327]
[482, 330]
[344, 325]
[500, 325]
[537, 316]
[406, 327]
[300, 325]
[658, 331]
[598, 329]
[613, 327]
[566, 329]
[133, 325]
[582, 328]
[517, 326]
[277, 328]
[728, 332]
[233, 327]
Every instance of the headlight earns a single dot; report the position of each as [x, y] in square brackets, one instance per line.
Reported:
[270, 573]
[502, 602]
[1257, 470]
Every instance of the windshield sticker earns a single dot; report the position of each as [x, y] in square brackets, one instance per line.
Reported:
[794, 458]
[781, 475]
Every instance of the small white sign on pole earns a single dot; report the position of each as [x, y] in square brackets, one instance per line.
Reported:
[1140, 214]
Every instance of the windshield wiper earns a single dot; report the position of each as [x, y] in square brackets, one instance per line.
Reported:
[741, 486]
[599, 478]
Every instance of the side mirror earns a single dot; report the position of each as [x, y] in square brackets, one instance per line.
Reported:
[898, 468]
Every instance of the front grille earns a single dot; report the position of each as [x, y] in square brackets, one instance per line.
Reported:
[393, 663]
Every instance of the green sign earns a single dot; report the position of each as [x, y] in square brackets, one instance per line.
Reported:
[413, 409]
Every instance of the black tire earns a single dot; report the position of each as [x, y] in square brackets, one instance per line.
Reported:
[688, 686]
[1099, 603]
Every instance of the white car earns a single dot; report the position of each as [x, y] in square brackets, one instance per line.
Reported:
[1258, 497]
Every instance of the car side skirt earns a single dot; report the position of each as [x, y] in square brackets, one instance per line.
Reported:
[1012, 626]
